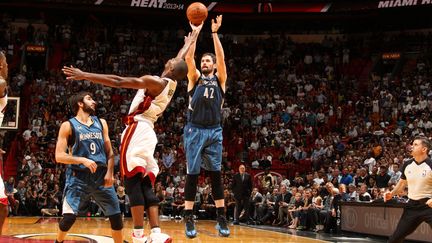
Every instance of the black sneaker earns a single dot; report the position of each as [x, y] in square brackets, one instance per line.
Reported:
[190, 230]
[222, 226]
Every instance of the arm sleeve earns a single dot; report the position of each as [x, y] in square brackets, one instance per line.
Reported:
[403, 169]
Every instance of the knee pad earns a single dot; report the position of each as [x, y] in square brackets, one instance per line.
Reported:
[217, 188]
[150, 197]
[67, 221]
[191, 187]
[116, 222]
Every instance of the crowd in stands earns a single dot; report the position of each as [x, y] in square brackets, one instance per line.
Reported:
[287, 104]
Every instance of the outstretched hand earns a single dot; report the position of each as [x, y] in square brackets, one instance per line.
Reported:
[73, 73]
[189, 40]
[192, 36]
[216, 23]
[194, 27]
[387, 196]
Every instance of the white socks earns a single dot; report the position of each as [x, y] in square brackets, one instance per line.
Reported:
[138, 233]
[155, 230]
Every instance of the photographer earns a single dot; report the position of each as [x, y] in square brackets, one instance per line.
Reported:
[282, 202]
[50, 206]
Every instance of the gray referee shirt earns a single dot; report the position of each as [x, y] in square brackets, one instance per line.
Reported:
[419, 178]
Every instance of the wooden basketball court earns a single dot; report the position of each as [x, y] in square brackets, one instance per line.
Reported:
[37, 229]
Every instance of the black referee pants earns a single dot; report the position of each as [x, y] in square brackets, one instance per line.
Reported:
[415, 213]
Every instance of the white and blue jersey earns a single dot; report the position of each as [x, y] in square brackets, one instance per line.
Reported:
[82, 185]
[203, 132]
[88, 142]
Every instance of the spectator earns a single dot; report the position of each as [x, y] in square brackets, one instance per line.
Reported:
[123, 201]
[395, 175]
[23, 169]
[208, 204]
[352, 193]
[178, 204]
[383, 178]
[256, 200]
[281, 208]
[295, 211]
[364, 195]
[346, 178]
[229, 204]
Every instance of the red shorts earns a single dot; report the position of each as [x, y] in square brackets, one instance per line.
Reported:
[4, 201]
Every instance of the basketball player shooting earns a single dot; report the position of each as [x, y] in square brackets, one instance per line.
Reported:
[203, 131]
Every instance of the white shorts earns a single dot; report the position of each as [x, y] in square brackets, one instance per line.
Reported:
[137, 149]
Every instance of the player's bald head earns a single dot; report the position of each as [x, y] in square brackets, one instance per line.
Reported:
[177, 68]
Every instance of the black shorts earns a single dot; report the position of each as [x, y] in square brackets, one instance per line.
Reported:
[140, 191]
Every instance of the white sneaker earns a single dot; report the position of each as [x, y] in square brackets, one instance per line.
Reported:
[159, 238]
[139, 240]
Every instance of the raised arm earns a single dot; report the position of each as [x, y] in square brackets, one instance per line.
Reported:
[193, 73]
[190, 41]
[220, 55]
[62, 145]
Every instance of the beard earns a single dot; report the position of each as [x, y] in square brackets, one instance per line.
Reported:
[88, 109]
[206, 71]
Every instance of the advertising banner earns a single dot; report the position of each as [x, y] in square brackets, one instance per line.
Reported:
[378, 220]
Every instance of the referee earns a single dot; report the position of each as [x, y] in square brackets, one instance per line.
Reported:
[417, 175]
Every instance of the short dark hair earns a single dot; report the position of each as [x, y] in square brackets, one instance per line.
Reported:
[73, 101]
[426, 142]
[213, 56]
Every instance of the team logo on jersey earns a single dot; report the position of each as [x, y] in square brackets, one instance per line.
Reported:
[424, 173]
[171, 92]
[210, 82]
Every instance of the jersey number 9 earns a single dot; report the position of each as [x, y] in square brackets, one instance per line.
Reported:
[92, 148]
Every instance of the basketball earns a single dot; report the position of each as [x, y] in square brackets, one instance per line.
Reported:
[196, 13]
